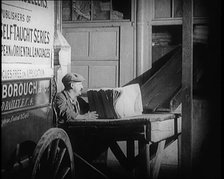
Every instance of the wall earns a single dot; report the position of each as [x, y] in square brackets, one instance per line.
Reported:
[102, 52]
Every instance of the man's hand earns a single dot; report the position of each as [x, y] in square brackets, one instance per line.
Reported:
[92, 115]
[89, 115]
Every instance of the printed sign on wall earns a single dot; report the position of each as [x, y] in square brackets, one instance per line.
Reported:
[27, 32]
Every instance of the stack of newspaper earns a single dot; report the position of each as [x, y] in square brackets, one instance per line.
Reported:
[114, 103]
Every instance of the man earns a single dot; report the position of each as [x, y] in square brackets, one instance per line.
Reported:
[71, 107]
[68, 103]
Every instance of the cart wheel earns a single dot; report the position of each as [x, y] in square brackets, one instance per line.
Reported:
[53, 156]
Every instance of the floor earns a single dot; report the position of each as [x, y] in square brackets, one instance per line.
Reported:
[116, 172]
[166, 172]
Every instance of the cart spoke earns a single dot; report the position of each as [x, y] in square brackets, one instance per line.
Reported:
[44, 166]
[64, 173]
[60, 158]
[49, 151]
[54, 152]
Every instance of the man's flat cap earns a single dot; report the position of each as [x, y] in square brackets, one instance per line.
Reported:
[72, 77]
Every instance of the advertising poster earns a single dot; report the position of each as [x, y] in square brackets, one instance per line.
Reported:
[27, 39]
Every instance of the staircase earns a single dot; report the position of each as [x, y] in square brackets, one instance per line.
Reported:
[161, 85]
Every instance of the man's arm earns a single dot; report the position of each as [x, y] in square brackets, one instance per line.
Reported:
[89, 115]
[64, 109]
[84, 106]
[66, 113]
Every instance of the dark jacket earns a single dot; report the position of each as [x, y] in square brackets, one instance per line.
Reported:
[67, 109]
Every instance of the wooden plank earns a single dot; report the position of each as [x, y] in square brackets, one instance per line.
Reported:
[147, 159]
[140, 120]
[158, 159]
[143, 167]
[161, 130]
[200, 129]
[176, 100]
[120, 155]
[187, 85]
[131, 152]
[143, 37]
[156, 66]
[163, 84]
[127, 54]
[179, 153]
[91, 166]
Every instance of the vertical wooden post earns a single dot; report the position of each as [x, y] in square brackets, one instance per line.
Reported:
[131, 151]
[144, 163]
[158, 159]
[58, 15]
[187, 84]
[142, 37]
[147, 159]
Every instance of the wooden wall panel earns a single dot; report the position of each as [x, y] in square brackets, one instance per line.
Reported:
[162, 8]
[94, 43]
[104, 44]
[95, 55]
[79, 41]
[105, 49]
[97, 74]
[102, 76]
[84, 71]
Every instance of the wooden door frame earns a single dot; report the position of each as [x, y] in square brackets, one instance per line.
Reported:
[187, 86]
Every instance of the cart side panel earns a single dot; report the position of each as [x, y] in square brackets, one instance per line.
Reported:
[29, 126]
[27, 73]
[26, 113]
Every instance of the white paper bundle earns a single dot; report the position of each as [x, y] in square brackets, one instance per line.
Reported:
[129, 103]
[113, 103]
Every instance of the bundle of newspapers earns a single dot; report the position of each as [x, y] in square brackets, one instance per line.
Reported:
[115, 103]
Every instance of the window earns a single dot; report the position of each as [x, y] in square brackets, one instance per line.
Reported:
[173, 8]
[95, 10]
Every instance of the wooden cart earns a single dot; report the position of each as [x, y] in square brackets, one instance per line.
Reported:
[28, 135]
[155, 130]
